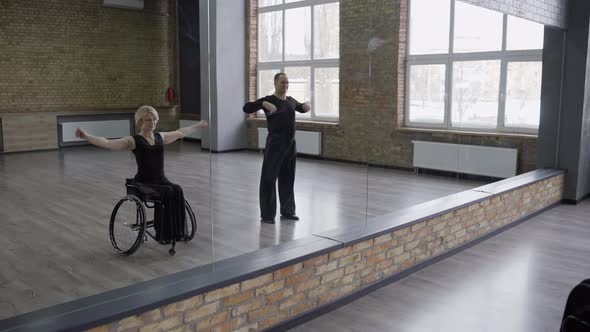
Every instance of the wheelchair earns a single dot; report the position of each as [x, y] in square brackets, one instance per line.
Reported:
[128, 227]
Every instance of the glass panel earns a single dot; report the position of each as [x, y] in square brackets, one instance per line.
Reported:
[427, 94]
[429, 26]
[270, 36]
[524, 34]
[393, 189]
[523, 94]
[300, 86]
[289, 1]
[265, 85]
[298, 34]
[327, 193]
[477, 29]
[265, 3]
[476, 87]
[326, 42]
[74, 221]
[326, 92]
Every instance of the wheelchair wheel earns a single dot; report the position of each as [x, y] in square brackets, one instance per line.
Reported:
[190, 223]
[127, 226]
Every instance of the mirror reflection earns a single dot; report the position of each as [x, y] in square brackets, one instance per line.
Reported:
[142, 141]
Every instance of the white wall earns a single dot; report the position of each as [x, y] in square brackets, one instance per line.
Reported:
[225, 88]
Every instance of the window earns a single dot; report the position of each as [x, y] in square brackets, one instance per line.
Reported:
[472, 69]
[301, 38]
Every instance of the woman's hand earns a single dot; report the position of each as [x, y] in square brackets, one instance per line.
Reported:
[81, 133]
[202, 124]
[269, 106]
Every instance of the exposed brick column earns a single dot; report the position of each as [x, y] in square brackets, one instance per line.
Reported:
[401, 63]
[252, 42]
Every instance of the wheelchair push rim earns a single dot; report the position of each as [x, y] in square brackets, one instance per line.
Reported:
[127, 225]
[190, 223]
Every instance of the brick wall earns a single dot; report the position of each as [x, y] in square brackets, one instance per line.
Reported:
[372, 105]
[278, 296]
[71, 55]
[78, 56]
[548, 12]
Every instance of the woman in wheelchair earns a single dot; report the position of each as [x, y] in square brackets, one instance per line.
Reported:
[148, 148]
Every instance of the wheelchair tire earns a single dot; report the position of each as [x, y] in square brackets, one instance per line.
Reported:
[191, 223]
[127, 225]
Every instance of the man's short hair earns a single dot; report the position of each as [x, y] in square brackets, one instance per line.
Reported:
[278, 75]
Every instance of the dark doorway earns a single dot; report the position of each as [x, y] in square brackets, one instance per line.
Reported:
[189, 60]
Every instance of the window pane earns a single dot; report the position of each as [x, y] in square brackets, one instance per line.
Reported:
[427, 93]
[298, 34]
[477, 29]
[270, 36]
[299, 86]
[326, 92]
[265, 84]
[429, 26]
[287, 1]
[476, 86]
[523, 94]
[264, 3]
[326, 26]
[524, 35]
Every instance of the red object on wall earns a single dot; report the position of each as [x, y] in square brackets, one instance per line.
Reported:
[170, 94]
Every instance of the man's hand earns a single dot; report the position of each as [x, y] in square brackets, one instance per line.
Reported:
[306, 107]
[81, 133]
[202, 124]
[269, 106]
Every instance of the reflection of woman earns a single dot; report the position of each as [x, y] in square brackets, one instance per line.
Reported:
[148, 148]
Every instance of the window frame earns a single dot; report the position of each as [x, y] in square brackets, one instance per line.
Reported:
[311, 63]
[448, 59]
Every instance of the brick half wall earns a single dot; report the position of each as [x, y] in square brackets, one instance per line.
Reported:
[282, 285]
[286, 293]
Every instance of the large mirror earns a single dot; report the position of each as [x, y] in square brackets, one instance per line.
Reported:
[297, 117]
[290, 158]
[455, 103]
[73, 225]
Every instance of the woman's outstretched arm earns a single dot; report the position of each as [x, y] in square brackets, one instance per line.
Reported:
[124, 143]
[172, 136]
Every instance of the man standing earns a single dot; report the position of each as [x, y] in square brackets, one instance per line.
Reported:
[280, 150]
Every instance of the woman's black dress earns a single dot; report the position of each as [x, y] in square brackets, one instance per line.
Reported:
[169, 219]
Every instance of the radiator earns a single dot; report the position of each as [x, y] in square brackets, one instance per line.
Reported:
[468, 159]
[308, 142]
[126, 4]
[108, 126]
[197, 133]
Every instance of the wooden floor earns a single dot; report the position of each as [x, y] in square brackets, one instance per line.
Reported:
[55, 207]
[517, 281]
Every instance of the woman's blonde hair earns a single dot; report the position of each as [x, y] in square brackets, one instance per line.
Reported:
[143, 111]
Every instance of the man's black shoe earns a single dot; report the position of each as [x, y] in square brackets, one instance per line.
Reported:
[290, 217]
[267, 221]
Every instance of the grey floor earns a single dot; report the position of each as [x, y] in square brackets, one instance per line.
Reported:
[55, 207]
[516, 281]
